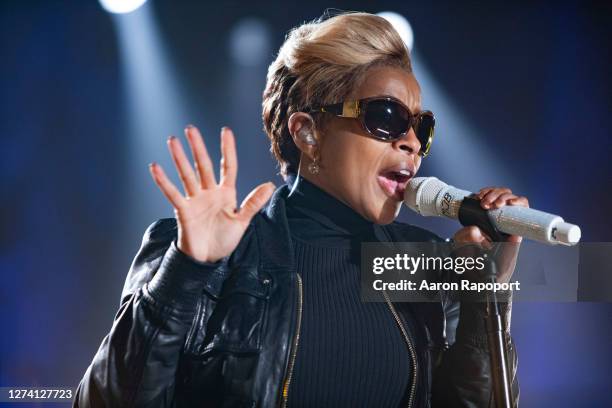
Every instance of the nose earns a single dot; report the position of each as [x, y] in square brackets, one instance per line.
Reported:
[408, 143]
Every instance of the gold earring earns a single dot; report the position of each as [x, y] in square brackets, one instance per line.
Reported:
[313, 167]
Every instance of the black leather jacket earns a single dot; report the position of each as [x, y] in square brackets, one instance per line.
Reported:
[191, 334]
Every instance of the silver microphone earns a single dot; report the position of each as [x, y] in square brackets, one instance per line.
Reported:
[429, 196]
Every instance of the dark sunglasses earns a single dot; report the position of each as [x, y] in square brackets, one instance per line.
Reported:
[386, 119]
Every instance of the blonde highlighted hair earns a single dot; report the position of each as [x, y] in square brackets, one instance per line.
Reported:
[323, 62]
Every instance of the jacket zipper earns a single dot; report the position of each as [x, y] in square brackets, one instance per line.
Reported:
[410, 348]
[294, 346]
[296, 341]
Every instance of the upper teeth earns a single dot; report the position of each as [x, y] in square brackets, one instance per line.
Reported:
[405, 172]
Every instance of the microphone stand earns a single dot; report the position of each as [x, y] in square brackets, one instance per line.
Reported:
[471, 213]
[497, 341]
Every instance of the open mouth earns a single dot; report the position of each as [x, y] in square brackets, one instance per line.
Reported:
[394, 182]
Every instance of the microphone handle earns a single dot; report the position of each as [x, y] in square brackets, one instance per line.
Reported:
[432, 197]
[514, 220]
[526, 222]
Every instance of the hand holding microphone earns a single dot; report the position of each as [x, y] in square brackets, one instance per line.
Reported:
[429, 196]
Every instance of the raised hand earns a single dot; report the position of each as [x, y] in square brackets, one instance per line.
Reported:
[210, 225]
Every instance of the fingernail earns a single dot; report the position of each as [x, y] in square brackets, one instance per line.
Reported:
[189, 126]
[171, 138]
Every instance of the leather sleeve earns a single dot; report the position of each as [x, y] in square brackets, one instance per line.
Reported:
[462, 375]
[136, 364]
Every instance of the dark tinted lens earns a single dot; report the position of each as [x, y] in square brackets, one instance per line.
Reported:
[424, 130]
[386, 119]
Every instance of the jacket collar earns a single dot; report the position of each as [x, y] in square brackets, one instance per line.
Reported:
[321, 217]
[272, 233]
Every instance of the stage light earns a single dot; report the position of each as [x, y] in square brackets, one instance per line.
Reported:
[156, 106]
[250, 49]
[401, 25]
[250, 42]
[121, 6]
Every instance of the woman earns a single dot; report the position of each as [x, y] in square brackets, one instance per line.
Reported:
[241, 307]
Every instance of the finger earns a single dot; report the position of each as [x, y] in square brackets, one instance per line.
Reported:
[203, 163]
[514, 239]
[255, 201]
[492, 195]
[481, 193]
[487, 243]
[473, 235]
[503, 200]
[229, 162]
[185, 171]
[520, 201]
[485, 240]
[166, 186]
[470, 234]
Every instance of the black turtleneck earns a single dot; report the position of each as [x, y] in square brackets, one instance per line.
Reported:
[351, 353]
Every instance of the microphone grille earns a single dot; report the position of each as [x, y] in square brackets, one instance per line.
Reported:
[421, 194]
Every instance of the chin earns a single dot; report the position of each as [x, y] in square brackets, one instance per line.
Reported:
[387, 212]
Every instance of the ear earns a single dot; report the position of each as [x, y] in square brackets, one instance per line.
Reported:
[302, 129]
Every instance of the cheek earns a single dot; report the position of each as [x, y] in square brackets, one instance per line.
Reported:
[353, 166]
[342, 151]
[364, 157]
[352, 162]
[417, 163]
[364, 164]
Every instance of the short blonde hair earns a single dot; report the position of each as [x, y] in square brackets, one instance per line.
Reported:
[320, 63]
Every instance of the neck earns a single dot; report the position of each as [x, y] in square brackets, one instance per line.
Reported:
[322, 212]
[318, 180]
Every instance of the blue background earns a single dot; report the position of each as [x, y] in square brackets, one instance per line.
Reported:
[527, 84]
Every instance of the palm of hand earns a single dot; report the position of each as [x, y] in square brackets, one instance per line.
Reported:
[210, 225]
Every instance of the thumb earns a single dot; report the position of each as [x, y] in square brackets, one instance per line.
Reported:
[256, 199]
